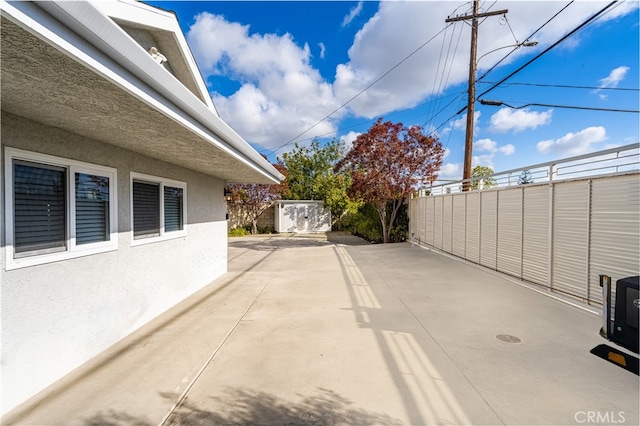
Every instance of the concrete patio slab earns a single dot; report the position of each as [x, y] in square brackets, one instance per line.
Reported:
[310, 330]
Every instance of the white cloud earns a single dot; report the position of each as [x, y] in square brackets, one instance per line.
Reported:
[349, 138]
[612, 80]
[461, 123]
[507, 149]
[353, 13]
[447, 152]
[323, 49]
[451, 171]
[482, 160]
[485, 145]
[280, 96]
[379, 46]
[492, 148]
[507, 119]
[574, 143]
[488, 149]
[615, 76]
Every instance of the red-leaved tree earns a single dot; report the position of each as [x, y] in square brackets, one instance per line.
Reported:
[386, 163]
[249, 200]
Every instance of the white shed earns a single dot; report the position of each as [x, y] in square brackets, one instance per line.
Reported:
[302, 216]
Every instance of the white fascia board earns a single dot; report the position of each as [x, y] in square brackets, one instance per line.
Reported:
[132, 72]
[149, 16]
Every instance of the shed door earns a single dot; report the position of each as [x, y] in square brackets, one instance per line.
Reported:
[312, 222]
[303, 217]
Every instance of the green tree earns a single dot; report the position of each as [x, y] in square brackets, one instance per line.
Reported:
[311, 176]
[525, 177]
[480, 178]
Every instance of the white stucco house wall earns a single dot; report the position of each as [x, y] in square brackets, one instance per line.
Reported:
[114, 162]
[302, 216]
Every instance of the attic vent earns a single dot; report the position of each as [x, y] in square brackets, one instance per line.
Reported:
[157, 56]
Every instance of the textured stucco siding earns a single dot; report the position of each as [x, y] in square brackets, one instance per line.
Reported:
[56, 316]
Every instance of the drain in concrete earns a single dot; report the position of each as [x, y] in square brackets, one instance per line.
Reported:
[508, 338]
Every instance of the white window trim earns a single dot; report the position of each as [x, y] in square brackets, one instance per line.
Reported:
[72, 251]
[162, 182]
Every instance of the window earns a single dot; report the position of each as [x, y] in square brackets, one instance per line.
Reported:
[158, 208]
[57, 208]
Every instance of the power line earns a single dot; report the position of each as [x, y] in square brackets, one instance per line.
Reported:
[443, 80]
[368, 122]
[435, 79]
[361, 92]
[566, 86]
[531, 35]
[563, 38]
[500, 103]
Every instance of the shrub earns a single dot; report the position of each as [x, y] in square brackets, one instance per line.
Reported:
[238, 232]
[266, 230]
[366, 224]
[401, 225]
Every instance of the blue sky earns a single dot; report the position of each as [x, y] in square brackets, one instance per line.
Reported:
[275, 70]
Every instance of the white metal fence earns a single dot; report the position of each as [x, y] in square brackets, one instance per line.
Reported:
[579, 218]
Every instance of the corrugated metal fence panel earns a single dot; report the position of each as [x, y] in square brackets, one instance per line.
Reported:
[447, 219]
[586, 243]
[422, 224]
[535, 244]
[571, 237]
[430, 220]
[489, 226]
[437, 228]
[472, 236]
[615, 230]
[510, 232]
[459, 213]
[413, 210]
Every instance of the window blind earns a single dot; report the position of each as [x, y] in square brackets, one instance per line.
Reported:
[92, 208]
[173, 209]
[146, 209]
[39, 207]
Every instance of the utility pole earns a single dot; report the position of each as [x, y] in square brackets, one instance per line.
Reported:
[468, 141]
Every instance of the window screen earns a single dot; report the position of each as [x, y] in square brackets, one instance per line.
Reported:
[172, 209]
[39, 207]
[92, 208]
[146, 209]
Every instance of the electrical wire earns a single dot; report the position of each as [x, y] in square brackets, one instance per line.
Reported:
[510, 29]
[444, 80]
[368, 122]
[458, 95]
[435, 80]
[361, 92]
[563, 38]
[565, 86]
[497, 103]
[528, 38]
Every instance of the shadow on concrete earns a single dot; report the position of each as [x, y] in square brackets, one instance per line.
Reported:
[339, 237]
[248, 407]
[120, 349]
[286, 241]
[116, 418]
[278, 242]
[421, 385]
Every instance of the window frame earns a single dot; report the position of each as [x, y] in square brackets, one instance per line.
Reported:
[72, 250]
[162, 183]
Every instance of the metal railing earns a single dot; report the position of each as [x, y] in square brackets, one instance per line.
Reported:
[611, 161]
